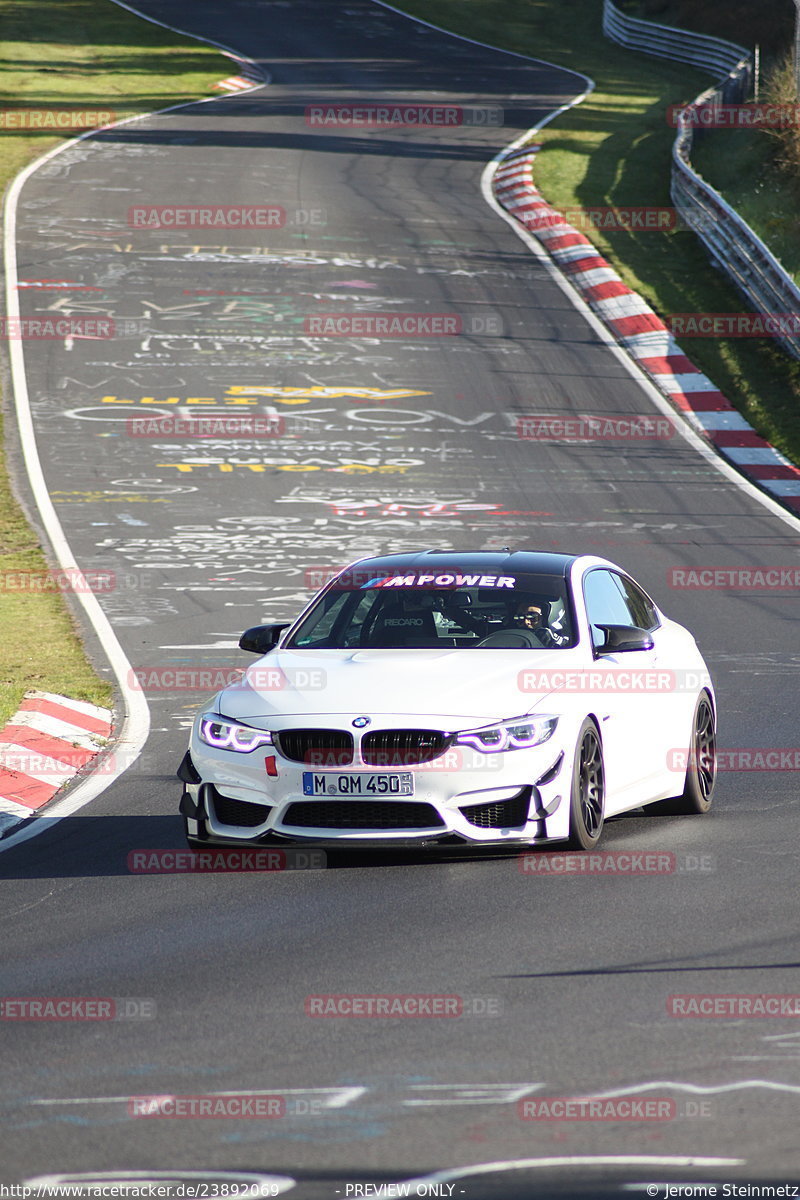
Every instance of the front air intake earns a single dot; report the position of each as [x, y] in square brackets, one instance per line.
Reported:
[362, 814]
[403, 747]
[503, 814]
[316, 747]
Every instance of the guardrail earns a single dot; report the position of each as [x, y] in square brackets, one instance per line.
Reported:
[708, 53]
[732, 245]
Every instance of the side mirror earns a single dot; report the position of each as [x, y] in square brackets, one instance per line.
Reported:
[621, 638]
[261, 638]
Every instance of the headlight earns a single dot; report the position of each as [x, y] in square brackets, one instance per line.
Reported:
[226, 735]
[518, 734]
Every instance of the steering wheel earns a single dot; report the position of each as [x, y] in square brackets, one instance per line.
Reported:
[516, 639]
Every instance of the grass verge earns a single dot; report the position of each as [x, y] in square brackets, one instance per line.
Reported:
[768, 26]
[78, 55]
[741, 165]
[758, 172]
[615, 149]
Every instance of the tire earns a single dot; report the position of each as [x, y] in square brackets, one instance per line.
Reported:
[588, 790]
[701, 769]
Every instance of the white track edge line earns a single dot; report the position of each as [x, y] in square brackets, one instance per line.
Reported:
[576, 1160]
[474, 42]
[136, 715]
[662, 404]
[136, 718]
[197, 37]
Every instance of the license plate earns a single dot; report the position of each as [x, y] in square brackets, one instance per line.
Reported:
[357, 783]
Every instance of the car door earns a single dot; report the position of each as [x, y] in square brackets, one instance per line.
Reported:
[631, 702]
[676, 654]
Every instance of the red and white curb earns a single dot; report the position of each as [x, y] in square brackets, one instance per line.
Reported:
[44, 745]
[643, 334]
[234, 83]
[250, 76]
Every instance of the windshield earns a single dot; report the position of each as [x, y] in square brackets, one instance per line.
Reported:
[446, 611]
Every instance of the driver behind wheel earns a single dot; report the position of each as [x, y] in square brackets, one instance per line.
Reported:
[533, 616]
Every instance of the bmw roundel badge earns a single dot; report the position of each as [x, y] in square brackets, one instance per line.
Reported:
[360, 722]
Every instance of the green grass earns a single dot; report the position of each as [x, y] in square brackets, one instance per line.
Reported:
[744, 164]
[741, 165]
[78, 54]
[614, 149]
[40, 647]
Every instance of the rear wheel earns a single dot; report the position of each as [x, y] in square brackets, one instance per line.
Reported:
[588, 792]
[701, 769]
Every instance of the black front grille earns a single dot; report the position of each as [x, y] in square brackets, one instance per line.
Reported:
[403, 747]
[316, 747]
[362, 814]
[505, 814]
[238, 812]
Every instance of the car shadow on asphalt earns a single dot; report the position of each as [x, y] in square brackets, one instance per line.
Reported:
[87, 846]
[83, 846]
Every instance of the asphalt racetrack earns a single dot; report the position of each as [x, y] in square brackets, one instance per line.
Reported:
[384, 443]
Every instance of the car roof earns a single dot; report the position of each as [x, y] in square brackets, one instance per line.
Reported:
[487, 562]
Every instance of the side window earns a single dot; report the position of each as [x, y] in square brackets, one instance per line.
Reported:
[320, 626]
[605, 603]
[317, 627]
[351, 634]
[641, 607]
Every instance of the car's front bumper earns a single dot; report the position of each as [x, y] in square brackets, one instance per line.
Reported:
[520, 797]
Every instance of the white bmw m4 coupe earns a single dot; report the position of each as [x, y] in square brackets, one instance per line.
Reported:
[438, 697]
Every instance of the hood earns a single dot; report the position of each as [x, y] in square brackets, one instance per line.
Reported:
[453, 685]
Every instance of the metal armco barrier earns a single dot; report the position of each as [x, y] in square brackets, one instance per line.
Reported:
[708, 53]
[730, 242]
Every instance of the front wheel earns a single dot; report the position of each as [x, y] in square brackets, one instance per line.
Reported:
[588, 791]
[701, 769]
